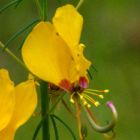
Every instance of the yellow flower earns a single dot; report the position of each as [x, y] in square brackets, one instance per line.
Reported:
[17, 104]
[53, 53]
[52, 50]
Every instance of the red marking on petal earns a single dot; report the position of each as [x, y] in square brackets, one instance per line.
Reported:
[65, 84]
[72, 86]
[83, 82]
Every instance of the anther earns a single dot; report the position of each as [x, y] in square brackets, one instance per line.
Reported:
[81, 96]
[101, 96]
[96, 103]
[88, 105]
[85, 102]
[71, 100]
[106, 91]
[93, 90]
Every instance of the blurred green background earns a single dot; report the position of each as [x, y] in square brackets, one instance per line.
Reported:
[111, 33]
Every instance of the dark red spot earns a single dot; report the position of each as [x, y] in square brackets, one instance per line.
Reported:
[53, 87]
[65, 85]
[83, 82]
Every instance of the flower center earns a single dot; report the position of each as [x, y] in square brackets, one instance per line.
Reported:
[80, 90]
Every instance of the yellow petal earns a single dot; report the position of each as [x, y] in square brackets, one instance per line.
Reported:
[26, 101]
[82, 63]
[46, 54]
[7, 98]
[68, 23]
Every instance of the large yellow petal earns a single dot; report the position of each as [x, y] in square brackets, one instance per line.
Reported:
[82, 63]
[46, 54]
[7, 98]
[68, 23]
[26, 102]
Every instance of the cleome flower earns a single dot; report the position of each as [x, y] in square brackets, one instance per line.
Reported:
[17, 104]
[53, 53]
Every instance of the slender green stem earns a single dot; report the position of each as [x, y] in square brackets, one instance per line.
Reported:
[43, 4]
[39, 8]
[79, 4]
[12, 55]
[44, 110]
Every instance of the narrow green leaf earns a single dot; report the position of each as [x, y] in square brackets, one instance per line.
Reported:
[68, 128]
[43, 119]
[39, 8]
[22, 42]
[20, 32]
[57, 101]
[44, 6]
[37, 130]
[13, 55]
[55, 128]
[19, 1]
[24, 38]
[8, 5]
[89, 74]
[93, 67]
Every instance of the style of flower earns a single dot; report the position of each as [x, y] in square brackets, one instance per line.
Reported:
[53, 53]
[17, 104]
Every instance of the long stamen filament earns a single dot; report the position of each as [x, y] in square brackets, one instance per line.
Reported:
[85, 103]
[102, 91]
[96, 103]
[81, 96]
[99, 95]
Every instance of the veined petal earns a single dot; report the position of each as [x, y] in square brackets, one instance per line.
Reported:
[47, 55]
[26, 101]
[7, 98]
[68, 23]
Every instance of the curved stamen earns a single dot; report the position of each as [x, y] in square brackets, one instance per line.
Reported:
[106, 128]
[110, 136]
